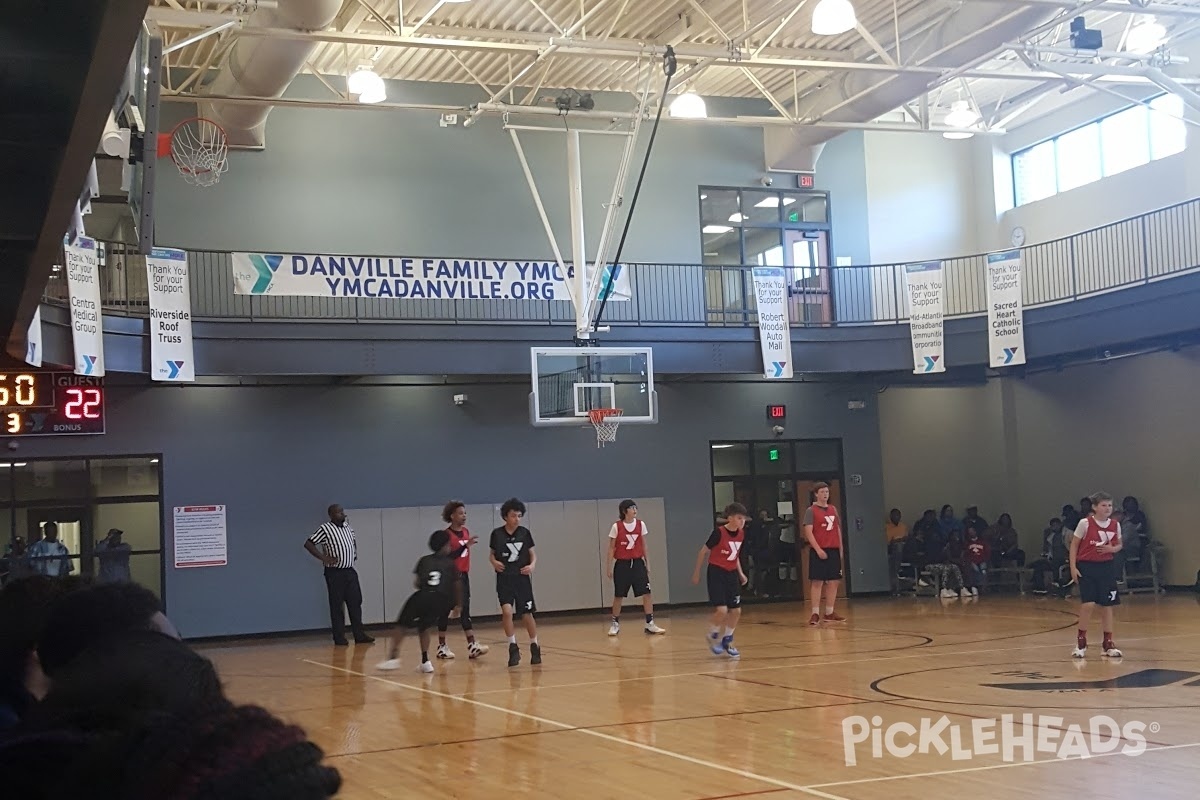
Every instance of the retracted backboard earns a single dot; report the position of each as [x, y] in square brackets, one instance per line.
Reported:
[568, 382]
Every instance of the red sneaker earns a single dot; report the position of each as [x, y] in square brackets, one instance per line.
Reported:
[834, 617]
[815, 619]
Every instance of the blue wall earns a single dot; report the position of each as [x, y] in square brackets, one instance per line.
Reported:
[277, 456]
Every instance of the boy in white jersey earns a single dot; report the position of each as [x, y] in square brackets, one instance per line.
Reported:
[628, 567]
[1097, 539]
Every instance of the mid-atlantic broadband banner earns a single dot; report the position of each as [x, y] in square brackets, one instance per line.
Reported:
[324, 275]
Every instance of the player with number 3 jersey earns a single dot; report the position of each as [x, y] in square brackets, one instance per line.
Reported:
[512, 556]
[725, 578]
[437, 595]
[628, 567]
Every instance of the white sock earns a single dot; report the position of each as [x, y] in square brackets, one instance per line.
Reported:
[533, 640]
[828, 609]
[729, 631]
[512, 639]
[817, 610]
[716, 631]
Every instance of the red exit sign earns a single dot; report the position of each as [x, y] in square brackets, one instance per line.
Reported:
[776, 413]
[806, 180]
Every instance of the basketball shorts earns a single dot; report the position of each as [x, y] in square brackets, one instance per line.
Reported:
[1098, 583]
[516, 590]
[423, 609]
[724, 587]
[464, 584]
[631, 574]
[825, 569]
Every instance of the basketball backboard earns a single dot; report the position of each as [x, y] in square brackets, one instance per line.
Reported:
[568, 382]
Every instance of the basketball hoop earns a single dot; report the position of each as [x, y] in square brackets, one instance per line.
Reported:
[199, 149]
[605, 421]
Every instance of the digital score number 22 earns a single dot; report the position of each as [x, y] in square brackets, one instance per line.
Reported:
[43, 402]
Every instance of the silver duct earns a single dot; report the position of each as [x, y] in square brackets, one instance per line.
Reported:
[264, 67]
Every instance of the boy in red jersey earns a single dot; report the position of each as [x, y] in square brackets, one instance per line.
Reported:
[725, 578]
[1097, 539]
[455, 513]
[823, 530]
[628, 567]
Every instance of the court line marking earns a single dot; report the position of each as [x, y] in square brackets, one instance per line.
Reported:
[923, 654]
[741, 773]
[1006, 765]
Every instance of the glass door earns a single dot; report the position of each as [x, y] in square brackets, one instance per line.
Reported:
[806, 254]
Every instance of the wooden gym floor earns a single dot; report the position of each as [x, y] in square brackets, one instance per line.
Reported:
[660, 718]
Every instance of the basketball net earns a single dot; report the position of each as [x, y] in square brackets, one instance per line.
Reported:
[199, 149]
[606, 421]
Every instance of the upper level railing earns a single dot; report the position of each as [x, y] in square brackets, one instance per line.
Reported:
[1139, 250]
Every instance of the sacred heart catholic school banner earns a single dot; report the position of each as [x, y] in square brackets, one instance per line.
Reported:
[312, 275]
[1006, 320]
[925, 312]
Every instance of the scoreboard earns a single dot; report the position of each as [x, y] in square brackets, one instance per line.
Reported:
[45, 403]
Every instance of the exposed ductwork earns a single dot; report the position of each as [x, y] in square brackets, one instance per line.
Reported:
[972, 32]
[264, 67]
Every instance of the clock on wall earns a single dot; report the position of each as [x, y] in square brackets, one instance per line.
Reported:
[1018, 237]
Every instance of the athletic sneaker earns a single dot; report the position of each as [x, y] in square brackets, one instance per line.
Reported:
[426, 667]
[1112, 652]
[514, 654]
[974, 591]
[965, 592]
[389, 665]
[1079, 652]
[833, 616]
[535, 653]
[730, 650]
[443, 652]
[614, 629]
[714, 644]
[949, 594]
[815, 619]
[654, 629]
[475, 650]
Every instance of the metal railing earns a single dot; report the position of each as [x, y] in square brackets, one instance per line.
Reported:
[1140, 250]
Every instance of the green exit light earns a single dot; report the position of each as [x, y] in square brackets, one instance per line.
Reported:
[794, 216]
[773, 454]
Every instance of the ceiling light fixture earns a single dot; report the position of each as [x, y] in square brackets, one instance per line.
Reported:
[689, 105]
[961, 115]
[738, 216]
[1146, 36]
[367, 84]
[773, 202]
[833, 17]
[716, 229]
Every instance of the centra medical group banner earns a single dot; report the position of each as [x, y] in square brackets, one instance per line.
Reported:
[774, 330]
[171, 356]
[83, 286]
[925, 313]
[1006, 316]
[324, 275]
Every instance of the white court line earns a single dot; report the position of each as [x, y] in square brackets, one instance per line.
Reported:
[884, 778]
[741, 669]
[741, 773]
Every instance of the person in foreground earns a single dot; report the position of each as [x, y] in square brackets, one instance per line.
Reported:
[438, 596]
[628, 567]
[461, 540]
[725, 578]
[513, 559]
[823, 529]
[1097, 539]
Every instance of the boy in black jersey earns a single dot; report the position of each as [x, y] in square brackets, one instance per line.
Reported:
[511, 555]
[436, 596]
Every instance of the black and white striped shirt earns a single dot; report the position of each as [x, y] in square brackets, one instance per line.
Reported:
[336, 541]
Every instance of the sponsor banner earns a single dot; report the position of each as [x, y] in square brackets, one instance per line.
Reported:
[1006, 316]
[83, 286]
[33, 340]
[171, 357]
[774, 330]
[391, 277]
[925, 313]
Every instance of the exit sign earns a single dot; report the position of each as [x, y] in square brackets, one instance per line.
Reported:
[776, 413]
[806, 180]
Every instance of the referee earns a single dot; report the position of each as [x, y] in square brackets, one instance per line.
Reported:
[338, 552]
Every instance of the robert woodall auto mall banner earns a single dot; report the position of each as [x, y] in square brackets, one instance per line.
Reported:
[322, 275]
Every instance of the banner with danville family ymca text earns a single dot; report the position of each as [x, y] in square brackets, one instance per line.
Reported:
[774, 329]
[1006, 316]
[925, 313]
[83, 287]
[324, 275]
[171, 356]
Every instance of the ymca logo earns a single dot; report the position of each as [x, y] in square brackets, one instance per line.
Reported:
[777, 369]
[829, 520]
[608, 280]
[514, 551]
[1142, 679]
[931, 363]
[265, 265]
[173, 369]
[89, 364]
[630, 540]
[1009, 354]
[734, 547]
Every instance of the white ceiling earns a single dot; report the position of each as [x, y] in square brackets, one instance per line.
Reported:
[497, 39]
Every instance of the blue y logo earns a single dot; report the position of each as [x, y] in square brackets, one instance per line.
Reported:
[1009, 354]
[89, 364]
[931, 363]
[173, 368]
[778, 366]
[265, 265]
[608, 279]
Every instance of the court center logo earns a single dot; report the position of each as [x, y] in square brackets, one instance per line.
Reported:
[1010, 738]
